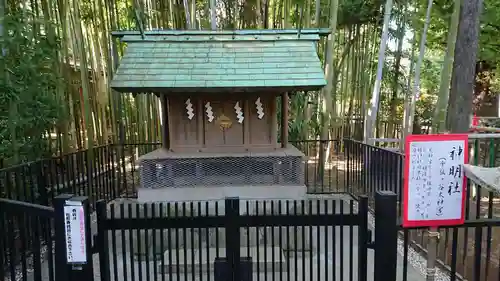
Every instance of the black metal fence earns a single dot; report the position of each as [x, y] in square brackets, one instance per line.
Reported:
[370, 169]
[467, 252]
[111, 171]
[26, 241]
[324, 165]
[276, 239]
[104, 172]
[211, 240]
[170, 233]
[253, 240]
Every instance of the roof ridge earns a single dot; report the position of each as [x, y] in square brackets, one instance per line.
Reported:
[220, 38]
[317, 31]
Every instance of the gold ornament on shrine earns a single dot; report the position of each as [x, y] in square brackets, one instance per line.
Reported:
[224, 122]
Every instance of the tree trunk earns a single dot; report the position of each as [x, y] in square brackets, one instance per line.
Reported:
[406, 106]
[317, 13]
[329, 71]
[408, 127]
[395, 81]
[80, 44]
[326, 103]
[464, 66]
[372, 112]
[258, 14]
[2, 17]
[213, 14]
[439, 120]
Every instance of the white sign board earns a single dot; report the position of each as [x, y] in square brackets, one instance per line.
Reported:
[74, 222]
[434, 180]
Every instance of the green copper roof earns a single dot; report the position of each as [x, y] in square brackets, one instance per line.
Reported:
[215, 62]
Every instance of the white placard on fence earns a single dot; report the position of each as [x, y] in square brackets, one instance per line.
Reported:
[74, 222]
[434, 188]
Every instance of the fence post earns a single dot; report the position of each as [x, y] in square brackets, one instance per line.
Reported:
[110, 170]
[2, 246]
[347, 156]
[232, 208]
[363, 238]
[61, 268]
[77, 215]
[365, 172]
[102, 241]
[42, 184]
[386, 236]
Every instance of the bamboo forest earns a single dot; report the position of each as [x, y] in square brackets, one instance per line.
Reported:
[330, 117]
[393, 68]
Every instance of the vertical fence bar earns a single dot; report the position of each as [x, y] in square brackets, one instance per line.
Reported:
[12, 249]
[367, 171]
[41, 184]
[102, 240]
[37, 261]
[357, 168]
[400, 183]
[347, 155]
[363, 238]
[114, 174]
[110, 171]
[386, 236]
[3, 249]
[232, 209]
[123, 169]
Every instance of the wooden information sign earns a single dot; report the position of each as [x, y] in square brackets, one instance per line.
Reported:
[434, 184]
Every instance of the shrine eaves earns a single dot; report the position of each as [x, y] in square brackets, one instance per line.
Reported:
[215, 61]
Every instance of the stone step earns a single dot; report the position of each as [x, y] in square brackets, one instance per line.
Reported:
[264, 259]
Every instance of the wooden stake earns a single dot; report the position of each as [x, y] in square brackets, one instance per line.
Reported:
[433, 235]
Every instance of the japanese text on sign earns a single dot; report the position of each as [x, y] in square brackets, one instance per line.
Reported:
[435, 180]
[74, 222]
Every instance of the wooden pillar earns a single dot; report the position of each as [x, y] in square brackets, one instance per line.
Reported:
[199, 123]
[164, 110]
[274, 120]
[284, 120]
[246, 124]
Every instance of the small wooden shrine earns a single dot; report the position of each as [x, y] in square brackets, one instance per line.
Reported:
[219, 92]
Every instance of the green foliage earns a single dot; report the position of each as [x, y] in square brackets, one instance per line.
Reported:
[424, 109]
[29, 108]
[359, 11]
[431, 71]
[489, 30]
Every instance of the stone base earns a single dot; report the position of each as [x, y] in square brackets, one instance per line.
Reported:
[291, 240]
[169, 169]
[149, 242]
[268, 259]
[205, 193]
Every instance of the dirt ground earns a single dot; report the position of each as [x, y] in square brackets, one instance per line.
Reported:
[332, 179]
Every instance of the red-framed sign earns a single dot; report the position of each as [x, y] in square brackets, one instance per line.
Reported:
[434, 181]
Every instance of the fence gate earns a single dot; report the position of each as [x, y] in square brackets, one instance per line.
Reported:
[228, 240]
[247, 240]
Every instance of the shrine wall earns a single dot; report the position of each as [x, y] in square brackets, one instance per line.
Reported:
[222, 123]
